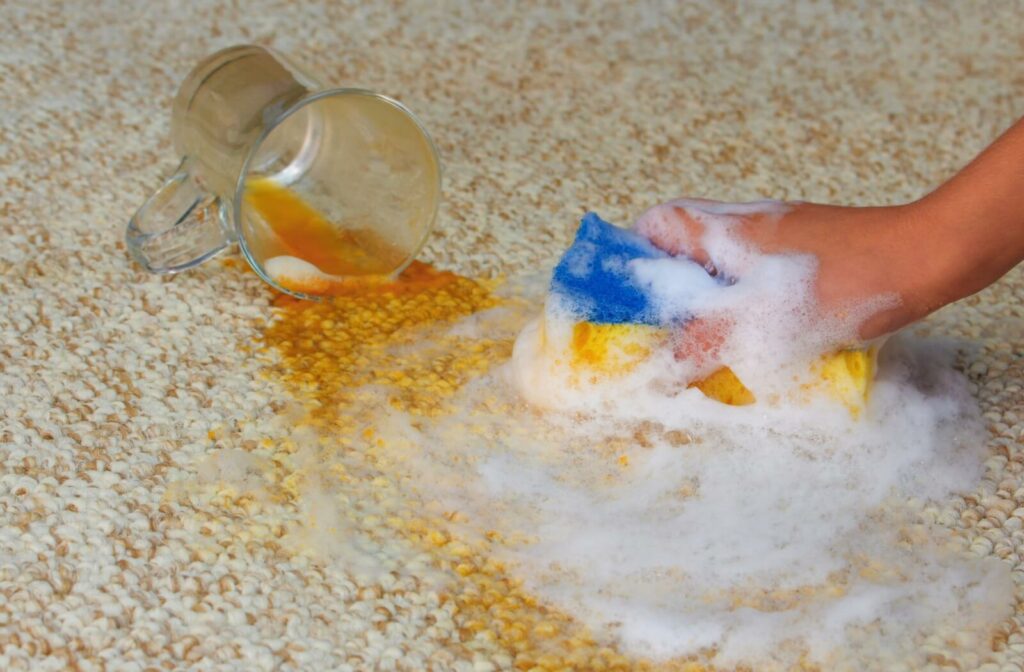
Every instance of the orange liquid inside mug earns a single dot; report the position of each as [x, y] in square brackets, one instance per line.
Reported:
[315, 185]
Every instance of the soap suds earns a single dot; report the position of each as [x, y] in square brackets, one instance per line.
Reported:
[768, 534]
[784, 531]
[671, 525]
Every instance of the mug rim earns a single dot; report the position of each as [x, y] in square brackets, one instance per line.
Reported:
[299, 104]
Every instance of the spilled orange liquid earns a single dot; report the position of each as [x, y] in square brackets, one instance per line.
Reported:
[300, 231]
[349, 356]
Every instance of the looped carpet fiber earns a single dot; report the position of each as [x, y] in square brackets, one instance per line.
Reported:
[111, 380]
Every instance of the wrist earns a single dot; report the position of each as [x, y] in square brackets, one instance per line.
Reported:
[973, 225]
[937, 264]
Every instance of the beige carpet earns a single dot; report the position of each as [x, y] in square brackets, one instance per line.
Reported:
[111, 380]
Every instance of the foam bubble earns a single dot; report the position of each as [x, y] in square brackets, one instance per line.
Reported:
[775, 534]
[778, 532]
[770, 534]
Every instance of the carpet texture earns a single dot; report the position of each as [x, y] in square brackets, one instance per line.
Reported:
[111, 380]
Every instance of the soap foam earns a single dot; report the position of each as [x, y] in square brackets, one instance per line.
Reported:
[770, 534]
[674, 525]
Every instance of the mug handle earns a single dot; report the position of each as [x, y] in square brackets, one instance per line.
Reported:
[180, 226]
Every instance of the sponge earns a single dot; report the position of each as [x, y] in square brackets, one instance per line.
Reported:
[617, 324]
[593, 277]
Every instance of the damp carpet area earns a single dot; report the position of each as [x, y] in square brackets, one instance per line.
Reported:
[117, 550]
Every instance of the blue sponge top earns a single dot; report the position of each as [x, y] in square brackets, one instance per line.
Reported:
[594, 278]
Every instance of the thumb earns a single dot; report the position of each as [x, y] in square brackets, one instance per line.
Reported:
[671, 227]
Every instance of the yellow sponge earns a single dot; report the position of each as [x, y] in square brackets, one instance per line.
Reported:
[724, 386]
[847, 375]
[615, 349]
[612, 348]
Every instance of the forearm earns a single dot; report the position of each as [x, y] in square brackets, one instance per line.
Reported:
[972, 227]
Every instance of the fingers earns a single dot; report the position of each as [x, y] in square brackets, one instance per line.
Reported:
[673, 229]
[700, 342]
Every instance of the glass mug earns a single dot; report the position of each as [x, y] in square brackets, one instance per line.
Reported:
[314, 184]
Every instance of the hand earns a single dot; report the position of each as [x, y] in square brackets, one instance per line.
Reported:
[862, 253]
[950, 244]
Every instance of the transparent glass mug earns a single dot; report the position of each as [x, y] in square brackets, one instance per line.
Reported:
[314, 184]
